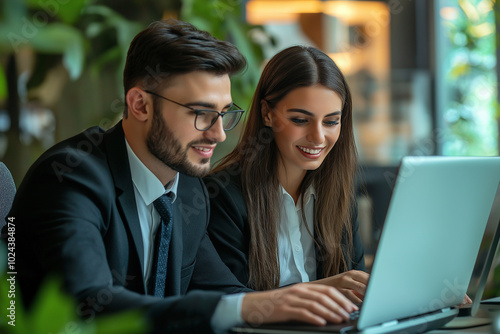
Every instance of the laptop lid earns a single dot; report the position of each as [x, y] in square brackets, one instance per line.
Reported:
[490, 242]
[431, 236]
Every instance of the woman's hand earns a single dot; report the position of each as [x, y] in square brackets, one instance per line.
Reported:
[466, 301]
[314, 304]
[351, 283]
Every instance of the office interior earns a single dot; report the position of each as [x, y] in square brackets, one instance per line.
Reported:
[423, 75]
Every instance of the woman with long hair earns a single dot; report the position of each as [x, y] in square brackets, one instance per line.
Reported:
[282, 202]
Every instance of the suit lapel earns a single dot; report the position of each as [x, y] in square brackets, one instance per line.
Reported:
[175, 253]
[120, 170]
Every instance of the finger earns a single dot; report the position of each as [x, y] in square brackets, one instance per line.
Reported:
[320, 305]
[360, 276]
[330, 298]
[350, 282]
[466, 300]
[306, 315]
[359, 287]
[352, 295]
[336, 299]
[342, 300]
[335, 295]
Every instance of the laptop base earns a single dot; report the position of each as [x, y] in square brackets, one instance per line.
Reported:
[418, 324]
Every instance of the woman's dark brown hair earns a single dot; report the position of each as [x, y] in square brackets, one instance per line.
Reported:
[258, 155]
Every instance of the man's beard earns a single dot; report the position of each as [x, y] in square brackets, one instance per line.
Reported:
[163, 145]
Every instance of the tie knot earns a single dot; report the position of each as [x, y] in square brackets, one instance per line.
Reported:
[163, 205]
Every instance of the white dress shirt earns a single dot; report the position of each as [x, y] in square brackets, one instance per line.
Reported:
[147, 188]
[297, 255]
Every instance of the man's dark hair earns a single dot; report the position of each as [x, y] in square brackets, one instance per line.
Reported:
[171, 47]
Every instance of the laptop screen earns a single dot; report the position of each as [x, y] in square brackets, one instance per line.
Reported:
[431, 235]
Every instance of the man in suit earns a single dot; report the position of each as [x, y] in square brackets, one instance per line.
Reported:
[87, 209]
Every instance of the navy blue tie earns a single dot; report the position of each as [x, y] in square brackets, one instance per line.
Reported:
[162, 242]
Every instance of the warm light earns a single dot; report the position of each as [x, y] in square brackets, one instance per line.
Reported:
[483, 29]
[265, 11]
[369, 23]
[351, 12]
[343, 61]
[449, 13]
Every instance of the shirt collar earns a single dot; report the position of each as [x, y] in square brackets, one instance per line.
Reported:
[310, 192]
[146, 183]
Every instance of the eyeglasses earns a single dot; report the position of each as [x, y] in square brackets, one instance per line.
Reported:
[205, 118]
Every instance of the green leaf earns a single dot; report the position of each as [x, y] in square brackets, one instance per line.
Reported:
[243, 43]
[459, 70]
[53, 311]
[11, 26]
[70, 11]
[131, 322]
[112, 54]
[62, 39]
[67, 11]
[3, 84]
[94, 29]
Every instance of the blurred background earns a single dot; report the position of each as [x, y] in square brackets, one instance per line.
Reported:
[424, 74]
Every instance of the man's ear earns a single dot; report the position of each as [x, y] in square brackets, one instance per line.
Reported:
[139, 104]
[266, 113]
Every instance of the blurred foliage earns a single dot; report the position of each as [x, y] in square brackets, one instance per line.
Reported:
[224, 19]
[471, 117]
[77, 31]
[90, 38]
[55, 312]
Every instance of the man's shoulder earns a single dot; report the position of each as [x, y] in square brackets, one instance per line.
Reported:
[86, 143]
[82, 154]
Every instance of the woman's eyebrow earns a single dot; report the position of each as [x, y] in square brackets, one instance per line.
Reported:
[308, 113]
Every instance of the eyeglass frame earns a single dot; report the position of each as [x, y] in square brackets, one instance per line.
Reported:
[198, 111]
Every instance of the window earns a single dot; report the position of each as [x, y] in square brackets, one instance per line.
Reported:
[466, 79]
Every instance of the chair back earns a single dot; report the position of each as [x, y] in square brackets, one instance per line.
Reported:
[7, 192]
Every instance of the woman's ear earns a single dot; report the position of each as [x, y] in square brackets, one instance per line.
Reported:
[139, 104]
[266, 113]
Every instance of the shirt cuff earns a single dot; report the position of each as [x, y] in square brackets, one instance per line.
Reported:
[227, 313]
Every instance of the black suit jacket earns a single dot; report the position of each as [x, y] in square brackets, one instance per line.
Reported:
[229, 230]
[76, 215]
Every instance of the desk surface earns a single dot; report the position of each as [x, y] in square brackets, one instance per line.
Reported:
[480, 329]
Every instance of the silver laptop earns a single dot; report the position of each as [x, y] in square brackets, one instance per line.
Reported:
[427, 248]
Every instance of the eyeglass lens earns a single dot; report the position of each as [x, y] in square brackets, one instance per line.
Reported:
[207, 118]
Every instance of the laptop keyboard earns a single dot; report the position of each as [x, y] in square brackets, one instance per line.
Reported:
[354, 315]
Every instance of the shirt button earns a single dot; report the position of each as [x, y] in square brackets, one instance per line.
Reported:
[297, 248]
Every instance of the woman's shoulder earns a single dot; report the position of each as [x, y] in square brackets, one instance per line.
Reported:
[225, 190]
[227, 180]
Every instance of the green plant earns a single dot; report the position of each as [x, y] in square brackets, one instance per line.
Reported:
[69, 30]
[470, 114]
[224, 19]
[55, 312]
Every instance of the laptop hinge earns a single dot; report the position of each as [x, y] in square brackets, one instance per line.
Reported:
[389, 323]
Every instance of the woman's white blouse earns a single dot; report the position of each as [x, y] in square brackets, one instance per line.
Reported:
[297, 255]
